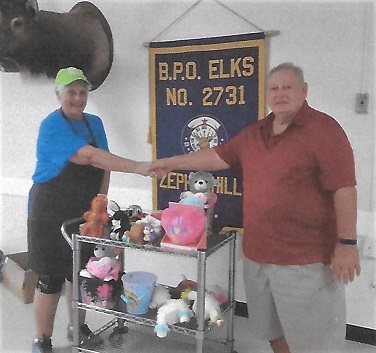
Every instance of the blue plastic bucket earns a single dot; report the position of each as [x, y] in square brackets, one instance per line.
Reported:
[138, 290]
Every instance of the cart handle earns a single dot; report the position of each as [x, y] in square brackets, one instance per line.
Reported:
[66, 235]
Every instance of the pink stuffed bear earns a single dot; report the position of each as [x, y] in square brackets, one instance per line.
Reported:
[104, 265]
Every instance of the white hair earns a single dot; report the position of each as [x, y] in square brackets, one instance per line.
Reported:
[289, 66]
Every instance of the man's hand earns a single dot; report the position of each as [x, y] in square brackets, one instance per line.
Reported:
[158, 169]
[345, 263]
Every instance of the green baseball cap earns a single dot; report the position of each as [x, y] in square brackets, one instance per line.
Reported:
[68, 75]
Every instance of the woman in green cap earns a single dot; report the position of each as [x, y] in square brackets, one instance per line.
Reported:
[73, 165]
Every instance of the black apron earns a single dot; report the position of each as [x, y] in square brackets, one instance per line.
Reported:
[63, 198]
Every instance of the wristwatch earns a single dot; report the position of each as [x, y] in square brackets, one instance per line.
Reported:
[343, 241]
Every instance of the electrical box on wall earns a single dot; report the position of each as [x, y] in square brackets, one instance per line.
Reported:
[361, 103]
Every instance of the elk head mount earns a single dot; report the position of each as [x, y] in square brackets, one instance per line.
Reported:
[42, 42]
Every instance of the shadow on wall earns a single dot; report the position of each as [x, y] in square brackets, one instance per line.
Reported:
[37, 42]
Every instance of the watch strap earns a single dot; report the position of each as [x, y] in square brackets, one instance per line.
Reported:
[343, 241]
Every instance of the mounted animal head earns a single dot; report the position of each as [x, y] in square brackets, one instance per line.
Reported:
[42, 42]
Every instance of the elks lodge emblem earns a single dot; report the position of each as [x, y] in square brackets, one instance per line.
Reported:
[201, 132]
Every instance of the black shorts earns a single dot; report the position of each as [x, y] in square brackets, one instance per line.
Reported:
[51, 284]
[48, 251]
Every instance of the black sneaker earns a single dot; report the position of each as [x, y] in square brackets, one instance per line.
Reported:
[86, 336]
[42, 346]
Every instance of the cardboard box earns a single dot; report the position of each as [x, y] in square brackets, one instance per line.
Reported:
[19, 278]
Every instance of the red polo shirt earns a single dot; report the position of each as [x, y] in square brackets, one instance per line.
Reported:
[288, 185]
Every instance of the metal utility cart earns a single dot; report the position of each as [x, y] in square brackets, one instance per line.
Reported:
[132, 333]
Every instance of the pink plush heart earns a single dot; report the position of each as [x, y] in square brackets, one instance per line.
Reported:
[99, 268]
[183, 223]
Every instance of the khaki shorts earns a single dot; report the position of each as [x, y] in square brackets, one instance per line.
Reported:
[301, 303]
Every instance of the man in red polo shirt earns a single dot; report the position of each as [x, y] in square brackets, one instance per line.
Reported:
[299, 216]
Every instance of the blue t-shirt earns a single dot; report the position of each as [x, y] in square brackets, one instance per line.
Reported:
[59, 139]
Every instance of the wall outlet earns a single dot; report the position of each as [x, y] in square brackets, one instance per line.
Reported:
[361, 103]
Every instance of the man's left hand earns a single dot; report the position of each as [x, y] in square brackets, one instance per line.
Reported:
[345, 263]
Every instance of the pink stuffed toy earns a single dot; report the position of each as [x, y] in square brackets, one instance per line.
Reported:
[104, 265]
[183, 223]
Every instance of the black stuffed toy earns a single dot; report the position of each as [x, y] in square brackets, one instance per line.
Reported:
[124, 225]
[119, 222]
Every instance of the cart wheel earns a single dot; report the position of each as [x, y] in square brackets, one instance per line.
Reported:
[116, 336]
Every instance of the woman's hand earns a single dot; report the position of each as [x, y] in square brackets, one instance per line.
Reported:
[158, 169]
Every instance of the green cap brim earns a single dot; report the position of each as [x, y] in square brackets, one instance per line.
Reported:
[69, 75]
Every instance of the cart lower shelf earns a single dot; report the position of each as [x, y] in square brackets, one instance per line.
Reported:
[149, 318]
[140, 339]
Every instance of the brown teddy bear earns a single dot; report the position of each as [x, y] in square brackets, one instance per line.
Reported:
[96, 217]
[136, 234]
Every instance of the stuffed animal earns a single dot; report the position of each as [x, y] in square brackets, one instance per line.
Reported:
[201, 182]
[135, 212]
[136, 234]
[96, 217]
[160, 296]
[200, 185]
[183, 224]
[104, 264]
[171, 312]
[189, 198]
[120, 224]
[212, 309]
[183, 285]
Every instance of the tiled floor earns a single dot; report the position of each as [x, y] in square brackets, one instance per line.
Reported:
[17, 330]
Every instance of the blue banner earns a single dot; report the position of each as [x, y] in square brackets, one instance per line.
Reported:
[202, 92]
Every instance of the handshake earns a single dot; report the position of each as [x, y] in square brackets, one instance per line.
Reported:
[154, 169]
[205, 159]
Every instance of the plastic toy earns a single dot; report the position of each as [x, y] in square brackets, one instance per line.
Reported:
[149, 233]
[171, 312]
[152, 228]
[96, 217]
[104, 265]
[212, 309]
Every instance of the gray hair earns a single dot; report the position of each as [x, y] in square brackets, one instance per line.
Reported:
[289, 66]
